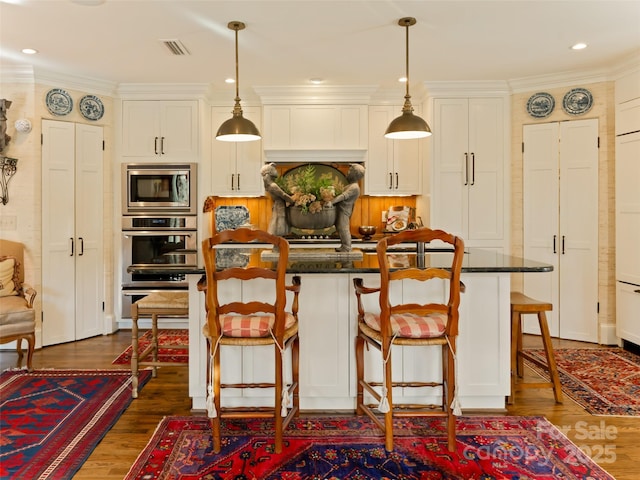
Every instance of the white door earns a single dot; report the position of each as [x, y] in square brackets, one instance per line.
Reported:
[72, 258]
[561, 223]
[579, 230]
[89, 221]
[58, 232]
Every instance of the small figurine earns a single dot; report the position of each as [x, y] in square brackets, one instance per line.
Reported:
[278, 224]
[344, 204]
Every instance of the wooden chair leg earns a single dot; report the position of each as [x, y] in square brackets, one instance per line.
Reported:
[359, 374]
[451, 391]
[154, 342]
[515, 334]
[388, 417]
[295, 373]
[31, 346]
[134, 351]
[279, 381]
[215, 422]
[551, 360]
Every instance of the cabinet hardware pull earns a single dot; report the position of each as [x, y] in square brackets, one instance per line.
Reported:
[466, 168]
[81, 241]
[554, 244]
[238, 181]
[71, 254]
[563, 244]
[396, 180]
[232, 180]
[636, 291]
[473, 168]
[155, 145]
[390, 181]
[161, 145]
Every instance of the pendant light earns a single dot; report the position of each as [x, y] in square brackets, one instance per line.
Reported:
[407, 125]
[237, 128]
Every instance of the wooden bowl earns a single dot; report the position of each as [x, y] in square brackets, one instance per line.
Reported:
[367, 231]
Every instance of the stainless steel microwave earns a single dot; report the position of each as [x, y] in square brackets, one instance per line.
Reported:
[159, 188]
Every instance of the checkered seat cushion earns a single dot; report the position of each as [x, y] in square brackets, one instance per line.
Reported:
[252, 326]
[409, 325]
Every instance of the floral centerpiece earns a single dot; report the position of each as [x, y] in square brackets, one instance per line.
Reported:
[312, 188]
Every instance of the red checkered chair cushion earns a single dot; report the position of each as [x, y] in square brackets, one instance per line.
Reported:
[254, 326]
[409, 325]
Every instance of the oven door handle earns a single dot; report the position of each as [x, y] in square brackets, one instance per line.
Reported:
[140, 233]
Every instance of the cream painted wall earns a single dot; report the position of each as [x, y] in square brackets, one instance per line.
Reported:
[603, 109]
[25, 189]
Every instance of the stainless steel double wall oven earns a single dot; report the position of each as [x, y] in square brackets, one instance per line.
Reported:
[159, 228]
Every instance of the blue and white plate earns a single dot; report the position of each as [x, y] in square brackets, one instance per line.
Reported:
[230, 217]
[59, 102]
[577, 101]
[540, 105]
[91, 107]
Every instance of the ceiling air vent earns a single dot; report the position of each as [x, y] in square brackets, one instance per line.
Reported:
[176, 47]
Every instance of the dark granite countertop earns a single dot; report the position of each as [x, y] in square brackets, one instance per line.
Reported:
[475, 261]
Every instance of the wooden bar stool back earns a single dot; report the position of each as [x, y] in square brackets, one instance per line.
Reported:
[522, 305]
[155, 305]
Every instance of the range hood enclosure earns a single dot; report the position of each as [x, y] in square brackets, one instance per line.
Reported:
[315, 132]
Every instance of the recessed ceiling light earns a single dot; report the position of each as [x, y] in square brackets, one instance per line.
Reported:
[402, 79]
[229, 80]
[579, 46]
[316, 81]
[29, 51]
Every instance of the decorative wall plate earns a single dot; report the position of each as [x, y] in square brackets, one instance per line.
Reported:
[91, 107]
[230, 217]
[59, 102]
[540, 105]
[577, 101]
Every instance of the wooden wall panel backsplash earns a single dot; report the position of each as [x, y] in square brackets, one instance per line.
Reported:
[367, 210]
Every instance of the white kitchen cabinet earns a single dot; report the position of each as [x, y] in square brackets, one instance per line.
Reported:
[628, 312]
[627, 96]
[560, 204]
[166, 130]
[394, 167]
[469, 151]
[325, 346]
[72, 229]
[235, 165]
[482, 345]
[315, 127]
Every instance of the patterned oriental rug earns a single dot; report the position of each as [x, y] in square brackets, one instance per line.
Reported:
[165, 337]
[604, 381]
[351, 448]
[53, 419]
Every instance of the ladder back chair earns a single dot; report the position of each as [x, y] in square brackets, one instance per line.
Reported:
[414, 323]
[251, 322]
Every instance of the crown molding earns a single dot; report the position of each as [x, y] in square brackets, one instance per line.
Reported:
[464, 88]
[72, 82]
[558, 80]
[163, 91]
[16, 74]
[315, 94]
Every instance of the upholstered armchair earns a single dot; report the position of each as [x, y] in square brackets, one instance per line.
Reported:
[17, 316]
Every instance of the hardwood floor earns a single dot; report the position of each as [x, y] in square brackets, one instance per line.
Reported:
[611, 441]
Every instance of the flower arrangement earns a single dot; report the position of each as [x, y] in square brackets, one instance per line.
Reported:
[310, 190]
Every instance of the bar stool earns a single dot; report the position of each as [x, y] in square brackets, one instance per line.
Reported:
[157, 304]
[521, 305]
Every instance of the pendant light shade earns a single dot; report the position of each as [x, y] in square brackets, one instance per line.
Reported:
[237, 128]
[407, 125]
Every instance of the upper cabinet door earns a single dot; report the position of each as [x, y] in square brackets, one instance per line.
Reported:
[394, 167]
[315, 127]
[468, 169]
[166, 130]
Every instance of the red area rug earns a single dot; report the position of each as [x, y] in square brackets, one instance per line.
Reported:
[165, 337]
[604, 381]
[53, 419]
[351, 448]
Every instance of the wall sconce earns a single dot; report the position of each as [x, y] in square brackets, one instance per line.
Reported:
[23, 125]
[9, 167]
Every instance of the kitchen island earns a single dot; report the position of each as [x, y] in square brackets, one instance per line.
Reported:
[328, 325]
